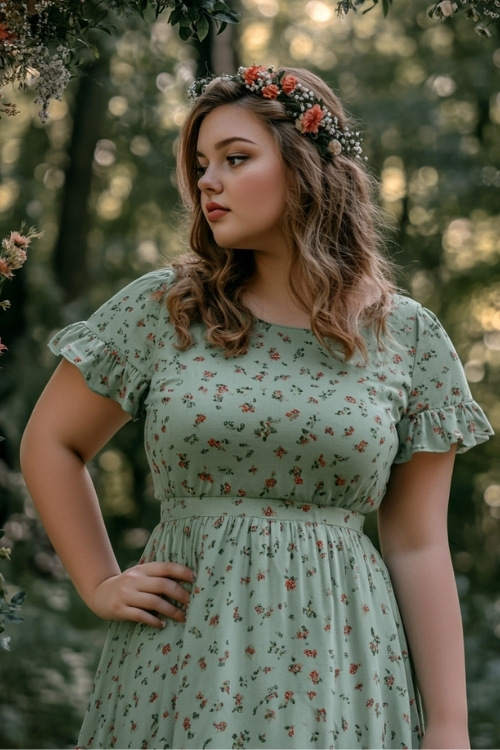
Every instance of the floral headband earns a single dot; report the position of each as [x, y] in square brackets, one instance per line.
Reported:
[310, 115]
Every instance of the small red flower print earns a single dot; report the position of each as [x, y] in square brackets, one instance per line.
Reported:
[369, 702]
[295, 668]
[360, 447]
[153, 697]
[292, 414]
[358, 686]
[250, 650]
[311, 694]
[310, 121]
[202, 663]
[314, 677]
[247, 408]
[389, 680]
[339, 481]
[251, 74]
[166, 649]
[280, 452]
[311, 652]
[349, 431]
[186, 723]
[347, 629]
[353, 668]
[214, 621]
[270, 92]
[205, 477]
[288, 695]
[345, 725]
[344, 599]
[321, 714]
[270, 483]
[290, 583]
[289, 83]
[200, 418]
[220, 726]
[290, 730]
[350, 399]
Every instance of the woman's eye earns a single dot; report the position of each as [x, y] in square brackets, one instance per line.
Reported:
[235, 161]
[200, 170]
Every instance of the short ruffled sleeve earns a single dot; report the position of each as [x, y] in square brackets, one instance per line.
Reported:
[113, 348]
[440, 410]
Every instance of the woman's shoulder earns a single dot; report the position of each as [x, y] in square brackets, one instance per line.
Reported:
[406, 314]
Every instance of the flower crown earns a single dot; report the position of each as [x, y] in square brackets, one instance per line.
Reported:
[310, 115]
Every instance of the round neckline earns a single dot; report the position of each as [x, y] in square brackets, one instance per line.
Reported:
[282, 325]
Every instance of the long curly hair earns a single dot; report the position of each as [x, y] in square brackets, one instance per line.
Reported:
[338, 273]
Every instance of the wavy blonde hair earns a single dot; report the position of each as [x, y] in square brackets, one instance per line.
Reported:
[337, 272]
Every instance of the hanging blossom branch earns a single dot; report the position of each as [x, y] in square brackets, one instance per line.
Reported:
[43, 41]
[484, 13]
[13, 255]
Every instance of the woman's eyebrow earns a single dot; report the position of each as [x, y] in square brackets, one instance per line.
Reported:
[227, 142]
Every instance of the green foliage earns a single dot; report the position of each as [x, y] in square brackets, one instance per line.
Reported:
[8, 607]
[481, 12]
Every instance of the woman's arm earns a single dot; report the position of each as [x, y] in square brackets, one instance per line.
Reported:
[414, 540]
[69, 425]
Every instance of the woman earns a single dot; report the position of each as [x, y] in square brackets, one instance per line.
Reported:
[288, 391]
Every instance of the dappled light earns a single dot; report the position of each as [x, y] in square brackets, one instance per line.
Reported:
[427, 96]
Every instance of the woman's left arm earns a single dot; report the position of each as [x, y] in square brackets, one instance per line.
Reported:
[414, 540]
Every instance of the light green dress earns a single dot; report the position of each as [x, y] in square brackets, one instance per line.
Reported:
[265, 466]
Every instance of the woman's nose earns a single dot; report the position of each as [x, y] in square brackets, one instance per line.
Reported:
[209, 181]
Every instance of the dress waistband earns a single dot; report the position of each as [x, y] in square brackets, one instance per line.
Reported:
[176, 508]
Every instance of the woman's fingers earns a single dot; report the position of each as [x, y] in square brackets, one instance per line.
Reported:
[145, 593]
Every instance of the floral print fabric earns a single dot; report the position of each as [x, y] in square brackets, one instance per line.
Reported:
[265, 466]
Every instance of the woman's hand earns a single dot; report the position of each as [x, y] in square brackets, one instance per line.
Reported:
[138, 594]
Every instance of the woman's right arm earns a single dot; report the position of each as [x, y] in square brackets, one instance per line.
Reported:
[69, 425]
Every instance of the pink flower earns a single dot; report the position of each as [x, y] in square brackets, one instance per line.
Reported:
[5, 269]
[3, 348]
[270, 92]
[19, 240]
[310, 121]
[288, 83]
[251, 74]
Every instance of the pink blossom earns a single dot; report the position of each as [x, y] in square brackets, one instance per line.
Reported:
[3, 348]
[5, 269]
[19, 240]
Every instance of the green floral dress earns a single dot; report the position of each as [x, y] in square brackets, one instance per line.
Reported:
[265, 466]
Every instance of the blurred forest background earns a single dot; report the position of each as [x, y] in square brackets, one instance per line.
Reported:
[99, 180]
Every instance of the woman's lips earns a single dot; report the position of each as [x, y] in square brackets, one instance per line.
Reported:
[215, 211]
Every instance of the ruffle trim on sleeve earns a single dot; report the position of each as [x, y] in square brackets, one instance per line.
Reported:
[436, 430]
[108, 372]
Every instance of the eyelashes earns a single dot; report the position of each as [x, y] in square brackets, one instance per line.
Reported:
[234, 160]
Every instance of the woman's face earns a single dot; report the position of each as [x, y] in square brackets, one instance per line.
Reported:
[242, 182]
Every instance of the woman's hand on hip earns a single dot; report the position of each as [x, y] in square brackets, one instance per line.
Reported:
[140, 594]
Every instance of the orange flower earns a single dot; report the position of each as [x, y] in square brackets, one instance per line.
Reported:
[251, 74]
[311, 119]
[5, 33]
[270, 92]
[5, 269]
[288, 84]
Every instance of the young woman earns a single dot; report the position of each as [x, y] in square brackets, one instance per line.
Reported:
[288, 391]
